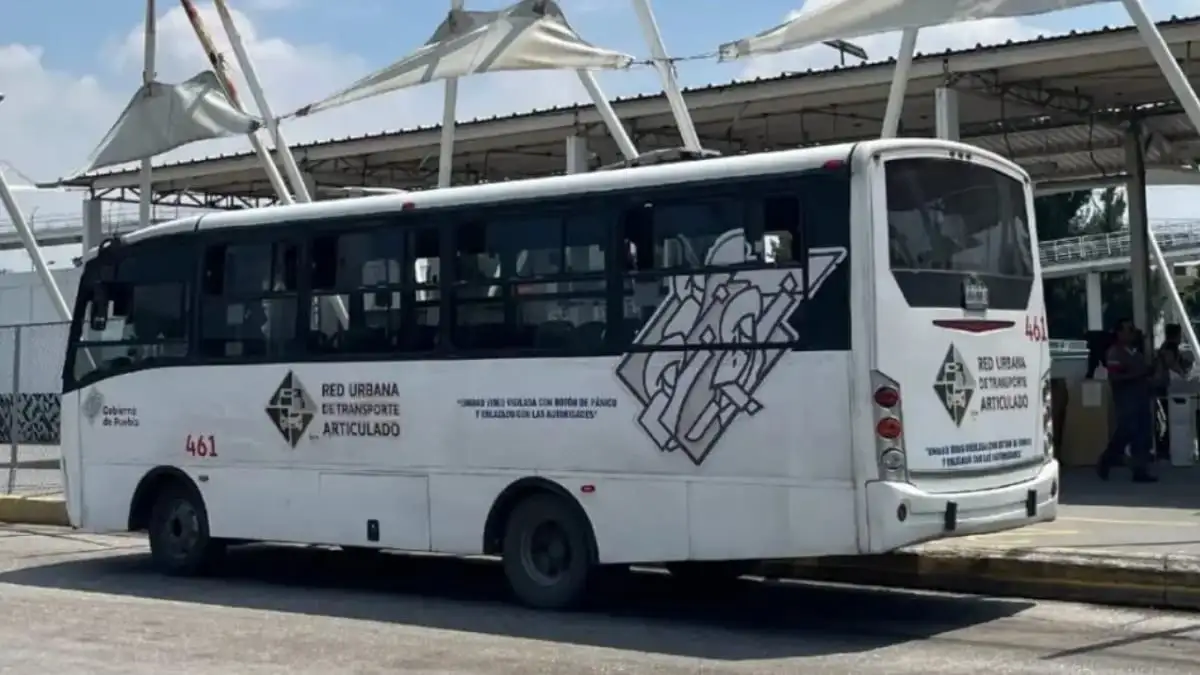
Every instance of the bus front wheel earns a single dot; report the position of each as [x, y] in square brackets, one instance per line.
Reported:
[180, 544]
[548, 552]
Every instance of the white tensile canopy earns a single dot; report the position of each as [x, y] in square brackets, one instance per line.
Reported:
[530, 35]
[848, 19]
[162, 117]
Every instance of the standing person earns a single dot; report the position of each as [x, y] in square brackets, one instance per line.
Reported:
[1168, 362]
[1129, 375]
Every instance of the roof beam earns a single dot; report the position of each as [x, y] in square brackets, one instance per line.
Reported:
[846, 86]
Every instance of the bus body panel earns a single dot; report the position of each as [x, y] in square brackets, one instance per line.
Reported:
[431, 487]
[971, 381]
[72, 460]
[862, 346]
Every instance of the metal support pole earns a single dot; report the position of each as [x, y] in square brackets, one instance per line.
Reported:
[1139, 229]
[895, 101]
[666, 72]
[32, 248]
[577, 155]
[93, 224]
[1095, 302]
[604, 107]
[281, 145]
[449, 121]
[449, 126]
[145, 182]
[217, 61]
[1164, 270]
[946, 113]
[1166, 61]
[13, 445]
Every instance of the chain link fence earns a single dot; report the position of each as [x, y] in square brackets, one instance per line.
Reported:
[31, 358]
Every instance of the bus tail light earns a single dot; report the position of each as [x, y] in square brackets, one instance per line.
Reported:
[888, 417]
[1047, 417]
[887, 397]
[889, 428]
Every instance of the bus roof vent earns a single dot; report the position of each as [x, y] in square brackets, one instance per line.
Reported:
[664, 156]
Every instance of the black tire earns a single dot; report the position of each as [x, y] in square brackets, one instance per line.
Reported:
[180, 544]
[708, 573]
[549, 553]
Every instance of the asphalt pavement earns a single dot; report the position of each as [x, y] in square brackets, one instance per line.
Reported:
[91, 605]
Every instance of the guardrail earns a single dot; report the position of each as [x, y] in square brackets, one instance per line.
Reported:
[1172, 237]
[63, 228]
[1068, 346]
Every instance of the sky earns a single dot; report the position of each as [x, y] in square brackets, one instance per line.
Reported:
[68, 67]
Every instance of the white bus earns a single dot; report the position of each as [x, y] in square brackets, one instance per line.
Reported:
[826, 351]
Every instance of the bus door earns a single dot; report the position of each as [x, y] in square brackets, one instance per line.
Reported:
[961, 346]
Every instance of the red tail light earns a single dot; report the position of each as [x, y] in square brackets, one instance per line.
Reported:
[886, 397]
[889, 428]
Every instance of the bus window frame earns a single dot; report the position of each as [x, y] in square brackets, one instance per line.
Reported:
[752, 191]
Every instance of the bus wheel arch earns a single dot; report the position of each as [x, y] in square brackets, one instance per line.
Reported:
[148, 490]
[517, 492]
[169, 506]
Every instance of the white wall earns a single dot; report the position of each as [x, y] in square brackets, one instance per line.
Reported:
[23, 299]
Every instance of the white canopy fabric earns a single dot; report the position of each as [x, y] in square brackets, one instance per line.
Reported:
[530, 35]
[848, 19]
[162, 117]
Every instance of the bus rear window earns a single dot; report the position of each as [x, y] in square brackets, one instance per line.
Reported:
[954, 216]
[951, 221]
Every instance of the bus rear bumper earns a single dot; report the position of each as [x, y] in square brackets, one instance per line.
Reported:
[900, 514]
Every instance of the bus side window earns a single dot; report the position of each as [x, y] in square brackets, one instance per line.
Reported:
[249, 304]
[361, 271]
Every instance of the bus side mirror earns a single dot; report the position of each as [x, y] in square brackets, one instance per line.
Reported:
[383, 300]
[98, 310]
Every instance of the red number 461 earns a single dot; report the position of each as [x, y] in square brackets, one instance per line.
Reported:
[1035, 329]
[201, 446]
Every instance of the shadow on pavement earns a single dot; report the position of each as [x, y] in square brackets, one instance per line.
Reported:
[630, 611]
[1178, 488]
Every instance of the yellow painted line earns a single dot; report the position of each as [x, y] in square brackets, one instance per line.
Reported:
[1121, 521]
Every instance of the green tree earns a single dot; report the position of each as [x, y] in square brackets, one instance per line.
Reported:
[1058, 217]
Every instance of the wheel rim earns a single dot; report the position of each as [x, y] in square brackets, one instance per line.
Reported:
[546, 553]
[181, 529]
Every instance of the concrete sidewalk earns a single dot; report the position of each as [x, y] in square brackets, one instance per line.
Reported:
[1114, 542]
[1117, 516]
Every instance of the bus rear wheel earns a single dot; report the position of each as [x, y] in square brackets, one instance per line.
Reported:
[180, 544]
[548, 553]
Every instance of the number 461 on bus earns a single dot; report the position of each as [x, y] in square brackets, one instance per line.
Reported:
[201, 446]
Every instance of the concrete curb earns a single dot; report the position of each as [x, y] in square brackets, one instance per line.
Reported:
[33, 510]
[1101, 577]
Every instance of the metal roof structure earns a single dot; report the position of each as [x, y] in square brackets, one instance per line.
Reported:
[1055, 105]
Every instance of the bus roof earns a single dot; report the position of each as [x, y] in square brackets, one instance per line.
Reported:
[756, 164]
